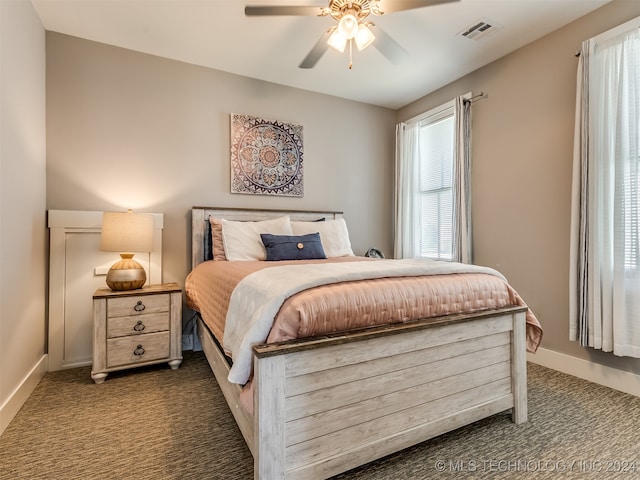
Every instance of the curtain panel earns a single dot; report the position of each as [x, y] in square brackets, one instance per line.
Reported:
[605, 223]
[407, 220]
[462, 183]
[578, 292]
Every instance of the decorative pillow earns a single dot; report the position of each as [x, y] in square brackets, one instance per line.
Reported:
[242, 239]
[216, 237]
[333, 235]
[292, 247]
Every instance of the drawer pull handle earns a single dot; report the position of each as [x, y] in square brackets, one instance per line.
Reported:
[139, 326]
[139, 306]
[139, 351]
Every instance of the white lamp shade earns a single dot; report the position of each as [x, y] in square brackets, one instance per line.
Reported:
[337, 40]
[348, 26]
[126, 232]
[364, 37]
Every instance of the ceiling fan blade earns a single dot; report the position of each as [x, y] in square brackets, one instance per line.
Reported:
[389, 47]
[316, 52]
[257, 10]
[389, 6]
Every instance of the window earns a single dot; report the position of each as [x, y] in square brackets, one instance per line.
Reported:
[631, 211]
[436, 148]
[432, 184]
[614, 139]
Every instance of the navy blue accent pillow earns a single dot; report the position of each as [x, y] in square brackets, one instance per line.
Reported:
[292, 247]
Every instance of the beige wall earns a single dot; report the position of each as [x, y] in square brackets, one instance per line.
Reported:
[22, 205]
[522, 165]
[130, 130]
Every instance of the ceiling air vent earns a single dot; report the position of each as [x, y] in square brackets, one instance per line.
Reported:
[479, 29]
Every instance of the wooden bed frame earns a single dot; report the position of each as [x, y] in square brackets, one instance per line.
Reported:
[325, 405]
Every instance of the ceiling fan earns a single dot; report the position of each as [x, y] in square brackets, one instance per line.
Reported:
[353, 25]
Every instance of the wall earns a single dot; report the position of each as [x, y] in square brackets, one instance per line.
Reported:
[22, 205]
[131, 130]
[522, 167]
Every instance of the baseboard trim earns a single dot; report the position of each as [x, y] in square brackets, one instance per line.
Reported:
[17, 398]
[626, 382]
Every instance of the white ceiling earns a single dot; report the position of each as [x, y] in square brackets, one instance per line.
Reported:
[216, 34]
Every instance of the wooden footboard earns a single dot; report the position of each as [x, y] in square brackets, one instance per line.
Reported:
[326, 405]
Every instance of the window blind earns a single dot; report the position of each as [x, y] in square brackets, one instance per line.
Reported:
[436, 145]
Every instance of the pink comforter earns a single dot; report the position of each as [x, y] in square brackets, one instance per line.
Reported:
[351, 305]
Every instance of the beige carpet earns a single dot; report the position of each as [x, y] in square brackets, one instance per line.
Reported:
[155, 423]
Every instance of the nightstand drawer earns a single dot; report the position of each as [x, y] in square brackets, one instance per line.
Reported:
[137, 305]
[137, 348]
[137, 325]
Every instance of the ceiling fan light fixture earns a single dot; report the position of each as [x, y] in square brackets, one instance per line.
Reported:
[364, 37]
[337, 40]
[351, 25]
[348, 26]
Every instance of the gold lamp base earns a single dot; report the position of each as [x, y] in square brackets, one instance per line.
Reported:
[126, 274]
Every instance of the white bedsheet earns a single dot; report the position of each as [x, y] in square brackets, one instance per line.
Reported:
[257, 298]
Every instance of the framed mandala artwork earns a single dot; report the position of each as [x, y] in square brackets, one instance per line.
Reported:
[266, 157]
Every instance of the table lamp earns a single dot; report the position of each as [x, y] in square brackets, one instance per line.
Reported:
[126, 232]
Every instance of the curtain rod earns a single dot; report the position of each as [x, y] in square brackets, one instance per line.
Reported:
[471, 99]
[477, 97]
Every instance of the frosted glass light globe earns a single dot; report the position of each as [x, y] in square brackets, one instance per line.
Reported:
[348, 26]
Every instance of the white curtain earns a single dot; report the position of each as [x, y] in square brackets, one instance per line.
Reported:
[407, 219]
[605, 237]
[462, 183]
[406, 213]
[578, 323]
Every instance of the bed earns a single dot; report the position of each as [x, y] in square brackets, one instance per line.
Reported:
[328, 403]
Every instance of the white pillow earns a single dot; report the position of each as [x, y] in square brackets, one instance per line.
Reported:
[333, 235]
[242, 239]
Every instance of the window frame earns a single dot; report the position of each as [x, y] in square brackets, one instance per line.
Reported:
[431, 117]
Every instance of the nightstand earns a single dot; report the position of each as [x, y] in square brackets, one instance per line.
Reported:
[133, 328]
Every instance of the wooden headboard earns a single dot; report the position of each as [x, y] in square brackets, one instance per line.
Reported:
[201, 231]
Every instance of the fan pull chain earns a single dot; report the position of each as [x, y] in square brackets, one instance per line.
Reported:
[350, 53]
